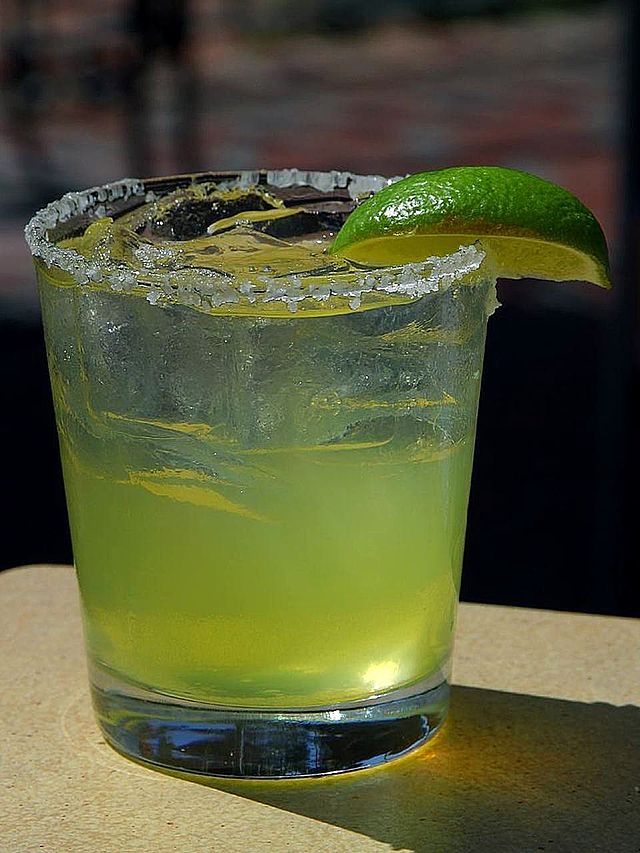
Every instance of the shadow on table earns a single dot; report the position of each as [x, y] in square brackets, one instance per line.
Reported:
[508, 773]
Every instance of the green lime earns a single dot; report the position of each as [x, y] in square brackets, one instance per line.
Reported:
[530, 227]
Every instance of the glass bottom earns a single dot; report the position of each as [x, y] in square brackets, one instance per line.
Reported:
[212, 740]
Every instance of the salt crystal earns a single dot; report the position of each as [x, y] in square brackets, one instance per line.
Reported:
[363, 184]
[324, 182]
[248, 179]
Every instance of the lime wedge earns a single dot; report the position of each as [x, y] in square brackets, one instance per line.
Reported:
[530, 228]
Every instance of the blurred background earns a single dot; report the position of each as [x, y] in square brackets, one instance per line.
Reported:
[98, 90]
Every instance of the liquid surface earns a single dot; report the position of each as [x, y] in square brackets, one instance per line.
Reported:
[244, 233]
[262, 251]
[267, 511]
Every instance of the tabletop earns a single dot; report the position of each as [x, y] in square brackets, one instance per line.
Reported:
[540, 751]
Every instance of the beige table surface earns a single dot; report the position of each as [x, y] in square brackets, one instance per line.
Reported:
[541, 751]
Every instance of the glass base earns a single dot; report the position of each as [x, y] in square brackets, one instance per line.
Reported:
[249, 743]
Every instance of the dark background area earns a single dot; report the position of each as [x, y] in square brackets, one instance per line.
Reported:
[99, 90]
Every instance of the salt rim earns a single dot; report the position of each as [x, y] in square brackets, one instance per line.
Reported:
[207, 289]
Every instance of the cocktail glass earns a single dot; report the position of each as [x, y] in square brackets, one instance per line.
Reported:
[267, 484]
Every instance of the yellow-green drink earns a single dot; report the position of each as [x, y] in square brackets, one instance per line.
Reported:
[272, 595]
[267, 455]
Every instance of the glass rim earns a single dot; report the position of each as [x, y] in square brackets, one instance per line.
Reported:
[210, 290]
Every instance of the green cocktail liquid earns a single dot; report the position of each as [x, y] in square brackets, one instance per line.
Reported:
[268, 508]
